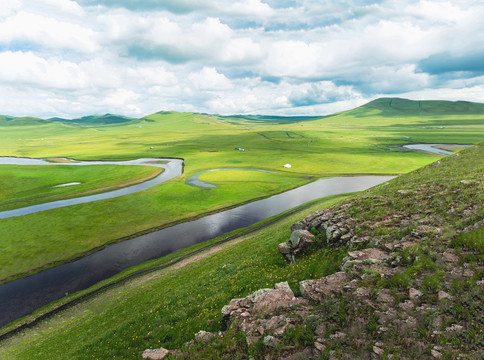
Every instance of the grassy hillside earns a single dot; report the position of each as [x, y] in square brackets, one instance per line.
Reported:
[399, 107]
[107, 119]
[345, 143]
[166, 307]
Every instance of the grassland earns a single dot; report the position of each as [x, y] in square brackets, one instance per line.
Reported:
[170, 305]
[167, 307]
[364, 140]
[22, 186]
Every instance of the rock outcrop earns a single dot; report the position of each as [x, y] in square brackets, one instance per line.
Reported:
[300, 239]
[402, 289]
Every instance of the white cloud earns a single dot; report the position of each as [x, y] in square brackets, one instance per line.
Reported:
[474, 93]
[49, 32]
[250, 7]
[58, 6]
[209, 79]
[391, 79]
[28, 68]
[245, 56]
[9, 7]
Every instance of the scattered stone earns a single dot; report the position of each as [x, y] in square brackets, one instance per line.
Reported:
[275, 322]
[450, 256]
[385, 297]
[407, 305]
[454, 328]
[325, 286]
[279, 331]
[301, 355]
[203, 336]
[362, 292]
[270, 341]
[443, 295]
[372, 255]
[155, 354]
[436, 354]
[252, 339]
[403, 192]
[337, 335]
[414, 293]
[299, 240]
[262, 301]
[377, 350]
[466, 182]
[320, 347]
[468, 273]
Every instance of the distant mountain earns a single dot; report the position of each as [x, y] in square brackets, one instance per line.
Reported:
[96, 119]
[21, 121]
[380, 107]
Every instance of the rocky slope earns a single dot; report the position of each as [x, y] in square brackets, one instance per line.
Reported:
[411, 286]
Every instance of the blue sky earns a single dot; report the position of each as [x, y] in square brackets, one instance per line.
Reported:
[282, 57]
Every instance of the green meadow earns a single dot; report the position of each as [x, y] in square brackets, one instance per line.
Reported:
[366, 140]
[22, 185]
[167, 305]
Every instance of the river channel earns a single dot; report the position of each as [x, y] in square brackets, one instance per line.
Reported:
[20, 297]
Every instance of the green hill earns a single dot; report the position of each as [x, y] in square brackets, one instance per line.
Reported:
[21, 121]
[384, 107]
[106, 119]
[405, 107]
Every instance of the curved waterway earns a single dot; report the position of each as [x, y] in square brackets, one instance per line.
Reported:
[173, 168]
[195, 181]
[20, 297]
[431, 148]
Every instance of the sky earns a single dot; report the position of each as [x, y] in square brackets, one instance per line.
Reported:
[276, 57]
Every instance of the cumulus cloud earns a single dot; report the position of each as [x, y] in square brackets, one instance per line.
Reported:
[209, 79]
[48, 32]
[245, 56]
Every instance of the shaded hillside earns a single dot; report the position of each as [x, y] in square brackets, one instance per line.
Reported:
[106, 119]
[21, 121]
[91, 120]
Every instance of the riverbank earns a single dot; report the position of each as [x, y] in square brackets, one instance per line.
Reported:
[18, 298]
[23, 186]
[172, 261]
[168, 308]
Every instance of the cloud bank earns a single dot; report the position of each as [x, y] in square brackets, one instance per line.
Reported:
[71, 58]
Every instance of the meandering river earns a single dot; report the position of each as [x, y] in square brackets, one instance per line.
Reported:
[20, 297]
[173, 168]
